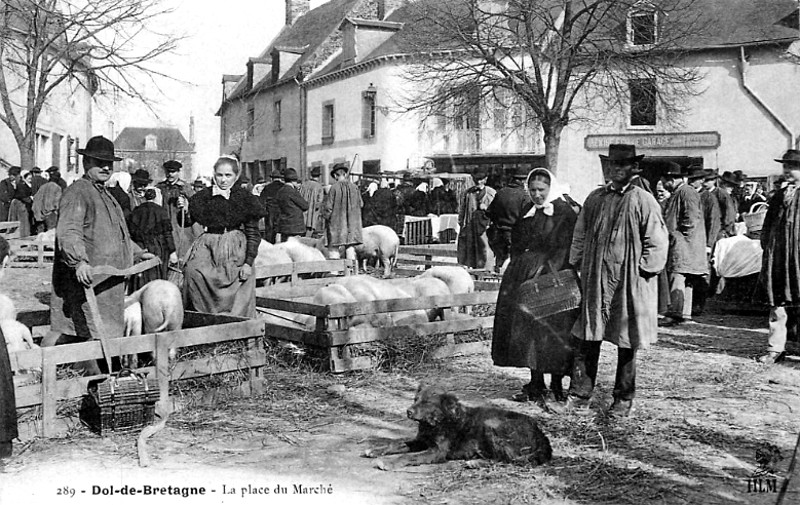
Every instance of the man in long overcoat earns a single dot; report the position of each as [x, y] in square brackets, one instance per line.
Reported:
[727, 205]
[313, 193]
[269, 198]
[91, 232]
[343, 212]
[619, 245]
[780, 268]
[292, 205]
[687, 262]
[711, 220]
[504, 212]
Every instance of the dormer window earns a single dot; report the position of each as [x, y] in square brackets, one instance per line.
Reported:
[642, 27]
[151, 143]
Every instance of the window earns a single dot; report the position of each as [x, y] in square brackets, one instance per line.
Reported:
[369, 125]
[500, 107]
[643, 102]
[276, 109]
[251, 121]
[328, 123]
[642, 28]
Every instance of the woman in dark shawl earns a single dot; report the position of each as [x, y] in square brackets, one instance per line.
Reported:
[151, 229]
[541, 238]
[219, 277]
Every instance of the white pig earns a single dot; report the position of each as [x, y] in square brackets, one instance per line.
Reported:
[269, 255]
[335, 294]
[7, 308]
[162, 307]
[378, 244]
[299, 252]
[18, 337]
[457, 279]
[420, 287]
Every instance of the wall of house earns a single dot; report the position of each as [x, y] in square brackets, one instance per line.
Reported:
[748, 138]
[396, 143]
[67, 113]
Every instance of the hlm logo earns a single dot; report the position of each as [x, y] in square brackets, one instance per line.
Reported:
[757, 485]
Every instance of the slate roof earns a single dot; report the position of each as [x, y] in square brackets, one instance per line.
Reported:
[169, 139]
[309, 31]
[725, 23]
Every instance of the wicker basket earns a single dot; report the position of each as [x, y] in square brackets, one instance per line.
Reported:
[121, 404]
[549, 294]
[755, 218]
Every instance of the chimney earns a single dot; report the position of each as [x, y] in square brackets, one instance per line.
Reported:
[229, 82]
[191, 129]
[386, 7]
[295, 9]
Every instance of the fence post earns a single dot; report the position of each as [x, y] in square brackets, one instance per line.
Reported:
[162, 367]
[49, 396]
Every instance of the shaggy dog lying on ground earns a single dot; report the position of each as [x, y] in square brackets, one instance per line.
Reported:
[449, 430]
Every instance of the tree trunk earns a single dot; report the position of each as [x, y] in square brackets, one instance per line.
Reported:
[27, 153]
[552, 141]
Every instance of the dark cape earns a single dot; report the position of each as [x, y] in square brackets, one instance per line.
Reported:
[520, 338]
[151, 229]
[379, 209]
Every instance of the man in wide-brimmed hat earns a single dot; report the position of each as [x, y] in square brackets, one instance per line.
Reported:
[687, 262]
[620, 245]
[726, 183]
[473, 244]
[780, 267]
[343, 212]
[312, 192]
[710, 206]
[269, 198]
[91, 232]
[504, 211]
[175, 194]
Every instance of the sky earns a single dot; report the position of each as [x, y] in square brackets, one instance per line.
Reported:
[220, 37]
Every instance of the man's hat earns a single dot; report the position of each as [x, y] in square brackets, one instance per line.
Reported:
[99, 148]
[740, 176]
[673, 169]
[519, 173]
[729, 178]
[697, 172]
[337, 167]
[478, 174]
[791, 156]
[53, 169]
[172, 166]
[36, 170]
[141, 176]
[622, 152]
[14, 170]
[290, 175]
[315, 171]
[199, 182]
[243, 179]
[276, 173]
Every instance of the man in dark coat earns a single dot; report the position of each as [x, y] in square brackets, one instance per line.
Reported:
[173, 190]
[504, 212]
[726, 183]
[292, 205]
[8, 187]
[37, 181]
[269, 198]
[343, 213]
[780, 268]
[55, 176]
[620, 245]
[710, 207]
[687, 261]
[8, 406]
[313, 193]
[91, 232]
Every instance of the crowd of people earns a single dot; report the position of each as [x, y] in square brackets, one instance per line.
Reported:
[644, 260]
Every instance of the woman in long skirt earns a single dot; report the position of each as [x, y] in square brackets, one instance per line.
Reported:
[541, 238]
[219, 277]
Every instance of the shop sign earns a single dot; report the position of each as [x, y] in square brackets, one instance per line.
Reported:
[688, 140]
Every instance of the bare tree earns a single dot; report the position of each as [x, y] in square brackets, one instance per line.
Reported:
[565, 60]
[96, 44]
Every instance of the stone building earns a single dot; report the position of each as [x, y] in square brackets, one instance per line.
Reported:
[149, 148]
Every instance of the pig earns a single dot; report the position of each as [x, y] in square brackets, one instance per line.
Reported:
[457, 279]
[133, 319]
[335, 294]
[420, 287]
[269, 255]
[18, 336]
[161, 307]
[299, 252]
[367, 289]
[7, 308]
[378, 244]
[316, 243]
